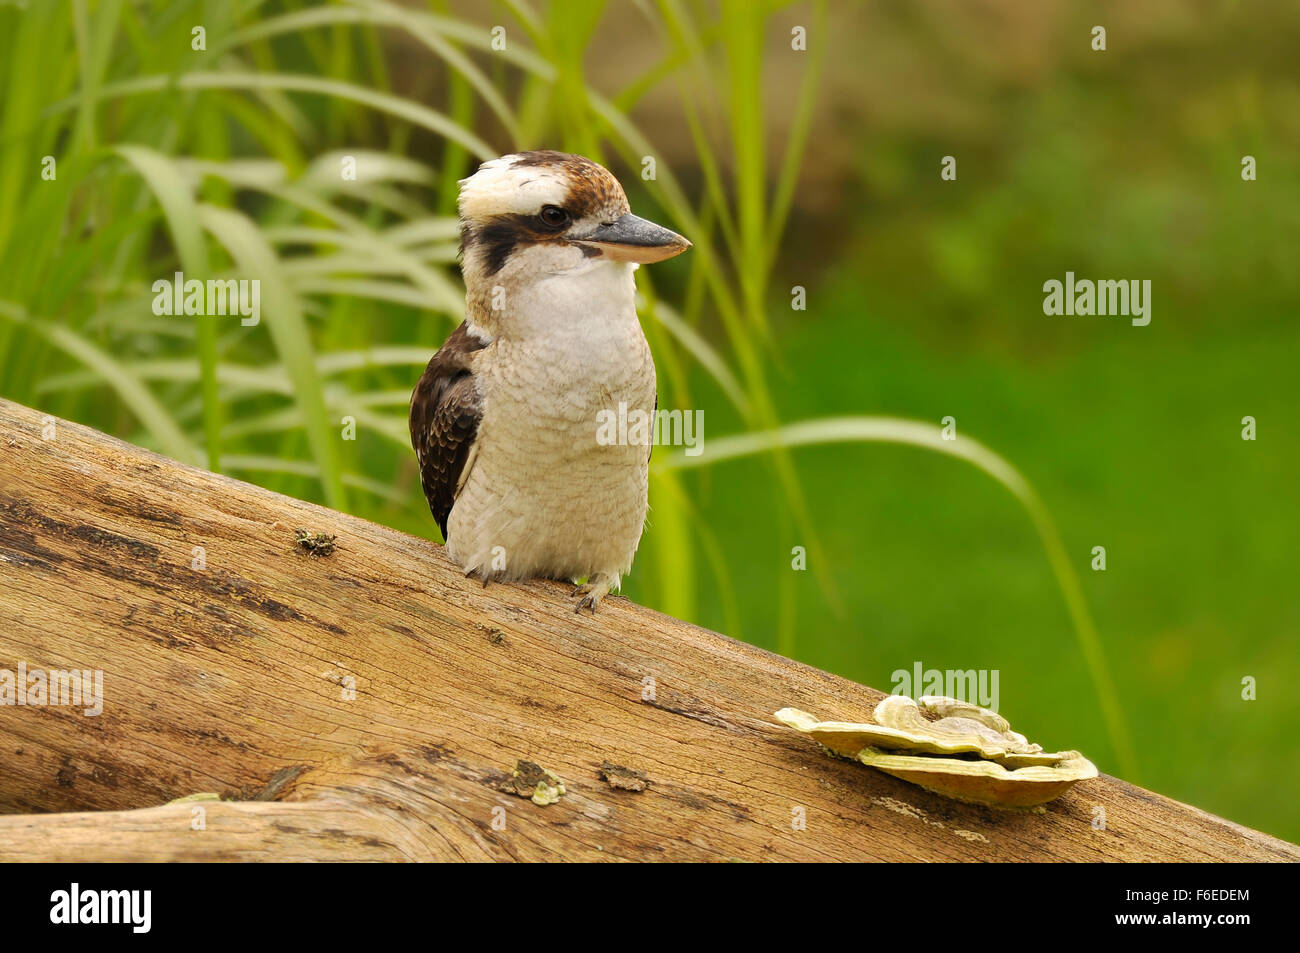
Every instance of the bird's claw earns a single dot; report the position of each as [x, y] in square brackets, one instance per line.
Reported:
[595, 590]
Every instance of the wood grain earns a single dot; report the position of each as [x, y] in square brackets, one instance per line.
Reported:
[233, 679]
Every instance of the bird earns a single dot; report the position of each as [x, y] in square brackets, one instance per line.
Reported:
[505, 418]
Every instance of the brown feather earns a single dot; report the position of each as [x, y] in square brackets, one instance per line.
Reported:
[445, 412]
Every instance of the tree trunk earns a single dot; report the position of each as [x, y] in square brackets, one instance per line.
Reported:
[370, 703]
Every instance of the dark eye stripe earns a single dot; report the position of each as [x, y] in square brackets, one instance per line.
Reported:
[499, 236]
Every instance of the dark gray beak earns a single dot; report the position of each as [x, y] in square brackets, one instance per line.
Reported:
[630, 238]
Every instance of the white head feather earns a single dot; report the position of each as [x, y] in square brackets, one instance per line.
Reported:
[499, 187]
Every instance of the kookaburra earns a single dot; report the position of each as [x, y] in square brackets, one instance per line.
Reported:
[504, 420]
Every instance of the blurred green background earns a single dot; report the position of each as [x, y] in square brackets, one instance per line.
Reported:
[816, 168]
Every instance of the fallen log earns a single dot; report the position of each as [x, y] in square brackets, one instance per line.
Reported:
[344, 693]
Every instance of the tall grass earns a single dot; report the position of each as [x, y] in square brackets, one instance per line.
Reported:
[225, 162]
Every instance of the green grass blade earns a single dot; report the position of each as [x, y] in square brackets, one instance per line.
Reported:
[181, 213]
[135, 395]
[928, 436]
[412, 112]
[283, 318]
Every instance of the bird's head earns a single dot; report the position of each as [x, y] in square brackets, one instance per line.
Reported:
[544, 213]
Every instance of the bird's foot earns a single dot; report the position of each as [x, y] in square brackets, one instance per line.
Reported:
[597, 587]
[476, 572]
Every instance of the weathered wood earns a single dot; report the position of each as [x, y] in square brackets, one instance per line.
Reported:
[232, 679]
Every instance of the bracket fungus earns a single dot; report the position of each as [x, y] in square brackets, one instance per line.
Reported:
[950, 747]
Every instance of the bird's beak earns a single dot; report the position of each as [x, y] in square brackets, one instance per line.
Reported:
[630, 238]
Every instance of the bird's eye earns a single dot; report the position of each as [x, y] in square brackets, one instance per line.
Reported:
[554, 216]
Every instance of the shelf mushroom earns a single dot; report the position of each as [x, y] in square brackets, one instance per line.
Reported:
[950, 747]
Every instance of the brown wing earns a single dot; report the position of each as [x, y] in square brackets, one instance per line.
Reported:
[445, 413]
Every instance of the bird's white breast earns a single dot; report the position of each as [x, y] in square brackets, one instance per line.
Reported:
[544, 496]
